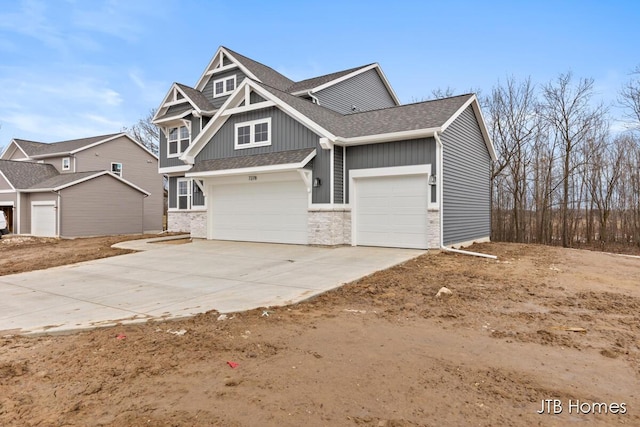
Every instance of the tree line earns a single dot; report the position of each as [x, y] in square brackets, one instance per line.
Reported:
[563, 175]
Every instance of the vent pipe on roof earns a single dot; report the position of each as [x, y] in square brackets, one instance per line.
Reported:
[440, 175]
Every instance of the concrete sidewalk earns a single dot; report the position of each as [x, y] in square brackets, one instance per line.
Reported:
[174, 281]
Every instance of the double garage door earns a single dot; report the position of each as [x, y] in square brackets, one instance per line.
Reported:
[274, 211]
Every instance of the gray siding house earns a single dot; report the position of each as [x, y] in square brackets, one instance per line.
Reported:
[93, 186]
[251, 155]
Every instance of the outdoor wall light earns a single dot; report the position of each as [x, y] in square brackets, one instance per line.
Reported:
[317, 182]
[433, 180]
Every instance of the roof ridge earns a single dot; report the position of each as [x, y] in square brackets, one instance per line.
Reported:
[409, 104]
[336, 72]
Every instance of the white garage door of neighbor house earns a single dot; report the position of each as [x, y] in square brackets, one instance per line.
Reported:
[273, 212]
[391, 211]
[43, 220]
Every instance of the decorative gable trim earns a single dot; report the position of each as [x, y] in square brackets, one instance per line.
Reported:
[172, 99]
[216, 65]
[374, 66]
[243, 94]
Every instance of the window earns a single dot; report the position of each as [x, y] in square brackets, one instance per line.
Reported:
[256, 133]
[116, 169]
[177, 141]
[66, 163]
[224, 86]
[189, 194]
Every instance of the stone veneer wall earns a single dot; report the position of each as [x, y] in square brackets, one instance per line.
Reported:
[329, 227]
[188, 222]
[433, 229]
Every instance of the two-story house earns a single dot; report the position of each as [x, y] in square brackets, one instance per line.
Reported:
[101, 185]
[254, 156]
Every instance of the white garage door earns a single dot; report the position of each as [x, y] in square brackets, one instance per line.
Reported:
[392, 211]
[260, 212]
[43, 220]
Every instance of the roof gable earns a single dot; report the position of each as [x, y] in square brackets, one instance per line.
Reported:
[182, 94]
[225, 59]
[11, 149]
[62, 181]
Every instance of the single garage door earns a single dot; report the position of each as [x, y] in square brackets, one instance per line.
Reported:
[43, 219]
[273, 212]
[392, 211]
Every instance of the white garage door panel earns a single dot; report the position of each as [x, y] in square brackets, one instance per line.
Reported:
[392, 211]
[260, 212]
[43, 220]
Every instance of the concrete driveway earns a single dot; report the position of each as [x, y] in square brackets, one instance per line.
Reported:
[173, 281]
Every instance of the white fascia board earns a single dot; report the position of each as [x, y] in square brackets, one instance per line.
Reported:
[99, 174]
[46, 156]
[255, 170]
[473, 101]
[388, 137]
[221, 69]
[164, 101]
[174, 169]
[341, 79]
[172, 118]
[387, 84]
[120, 135]
[15, 144]
[203, 78]
[8, 182]
[251, 107]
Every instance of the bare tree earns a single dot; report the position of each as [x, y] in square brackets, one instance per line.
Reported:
[146, 132]
[630, 97]
[569, 112]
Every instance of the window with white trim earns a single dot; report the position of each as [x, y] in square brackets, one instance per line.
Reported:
[66, 163]
[116, 169]
[177, 141]
[224, 86]
[256, 133]
[189, 194]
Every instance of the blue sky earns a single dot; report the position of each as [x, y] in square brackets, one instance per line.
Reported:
[76, 68]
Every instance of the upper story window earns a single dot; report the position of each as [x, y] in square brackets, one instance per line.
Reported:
[116, 169]
[66, 163]
[256, 133]
[224, 86]
[177, 141]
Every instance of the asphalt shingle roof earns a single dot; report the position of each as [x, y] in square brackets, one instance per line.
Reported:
[23, 175]
[197, 97]
[268, 159]
[311, 83]
[62, 179]
[34, 148]
[266, 75]
[421, 115]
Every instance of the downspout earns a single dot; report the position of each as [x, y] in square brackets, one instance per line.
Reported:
[144, 196]
[313, 98]
[440, 185]
[58, 213]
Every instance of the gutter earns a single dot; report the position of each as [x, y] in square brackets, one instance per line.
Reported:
[313, 97]
[439, 175]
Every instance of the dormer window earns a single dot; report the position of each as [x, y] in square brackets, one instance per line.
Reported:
[225, 86]
[177, 141]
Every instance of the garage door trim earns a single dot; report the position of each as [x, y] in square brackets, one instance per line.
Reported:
[55, 215]
[356, 174]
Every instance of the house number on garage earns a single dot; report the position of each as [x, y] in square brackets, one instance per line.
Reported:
[253, 178]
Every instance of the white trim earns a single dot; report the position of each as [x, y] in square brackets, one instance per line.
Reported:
[179, 139]
[5, 203]
[68, 167]
[257, 169]
[332, 161]
[43, 203]
[13, 141]
[172, 118]
[250, 107]
[225, 90]
[8, 182]
[252, 134]
[344, 173]
[355, 174]
[7, 192]
[173, 169]
[221, 69]
[218, 57]
[388, 137]
[177, 101]
[121, 169]
[188, 195]
[86, 178]
[473, 101]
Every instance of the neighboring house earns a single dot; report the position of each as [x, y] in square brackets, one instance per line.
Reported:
[101, 185]
[254, 156]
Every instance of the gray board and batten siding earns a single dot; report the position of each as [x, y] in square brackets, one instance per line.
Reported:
[389, 154]
[286, 134]
[467, 175]
[338, 174]
[365, 91]
[165, 162]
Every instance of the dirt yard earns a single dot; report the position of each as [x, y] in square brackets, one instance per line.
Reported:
[540, 323]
